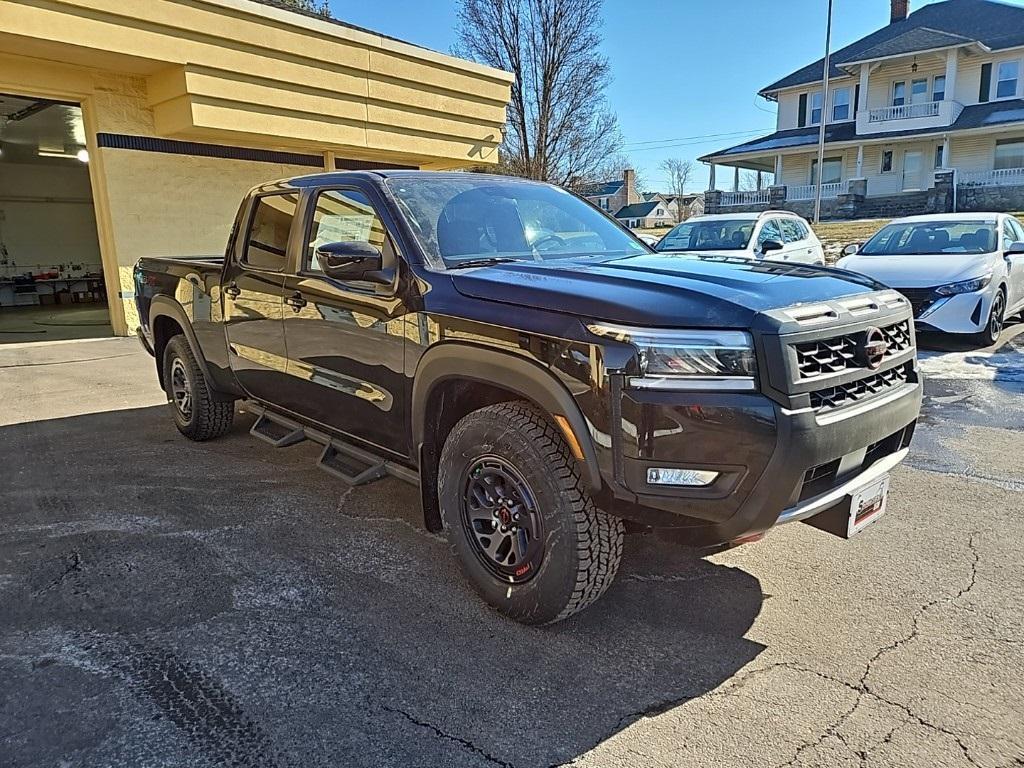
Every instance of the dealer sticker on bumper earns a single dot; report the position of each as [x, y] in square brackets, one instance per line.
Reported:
[867, 505]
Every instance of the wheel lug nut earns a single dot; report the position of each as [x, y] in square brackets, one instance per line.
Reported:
[504, 529]
[515, 516]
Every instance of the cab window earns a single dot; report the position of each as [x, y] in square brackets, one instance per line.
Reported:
[266, 243]
[345, 215]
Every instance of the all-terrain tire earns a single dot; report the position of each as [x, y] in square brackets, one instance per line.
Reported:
[582, 545]
[206, 417]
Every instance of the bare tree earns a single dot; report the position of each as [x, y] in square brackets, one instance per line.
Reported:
[679, 172]
[749, 180]
[559, 127]
[319, 7]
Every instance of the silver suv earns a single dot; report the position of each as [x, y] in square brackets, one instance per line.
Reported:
[774, 235]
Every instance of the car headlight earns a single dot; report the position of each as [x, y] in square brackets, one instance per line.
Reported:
[688, 359]
[964, 286]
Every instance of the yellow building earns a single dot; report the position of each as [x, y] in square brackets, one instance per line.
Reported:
[182, 105]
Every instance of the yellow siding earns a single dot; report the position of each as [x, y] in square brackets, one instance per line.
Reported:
[273, 78]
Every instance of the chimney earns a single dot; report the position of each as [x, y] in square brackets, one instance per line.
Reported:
[900, 11]
[629, 182]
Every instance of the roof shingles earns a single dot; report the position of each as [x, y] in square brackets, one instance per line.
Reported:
[994, 24]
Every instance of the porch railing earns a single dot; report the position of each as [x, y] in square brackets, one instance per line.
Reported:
[904, 112]
[756, 197]
[1000, 177]
[807, 191]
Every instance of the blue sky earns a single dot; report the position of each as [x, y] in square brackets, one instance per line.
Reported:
[682, 68]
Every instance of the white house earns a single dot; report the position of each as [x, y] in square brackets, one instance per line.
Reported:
[923, 115]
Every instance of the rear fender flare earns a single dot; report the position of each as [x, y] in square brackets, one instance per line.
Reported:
[453, 360]
[167, 307]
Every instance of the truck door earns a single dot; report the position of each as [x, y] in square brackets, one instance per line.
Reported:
[346, 339]
[253, 299]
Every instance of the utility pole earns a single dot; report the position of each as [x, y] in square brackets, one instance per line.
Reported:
[824, 114]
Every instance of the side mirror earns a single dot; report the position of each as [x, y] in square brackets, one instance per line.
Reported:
[851, 249]
[1015, 249]
[770, 245]
[352, 261]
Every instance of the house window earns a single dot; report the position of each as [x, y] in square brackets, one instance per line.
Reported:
[899, 93]
[939, 88]
[833, 172]
[919, 90]
[1009, 153]
[1006, 82]
[886, 161]
[815, 102]
[841, 105]
[939, 158]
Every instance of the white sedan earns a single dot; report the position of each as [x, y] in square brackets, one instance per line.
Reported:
[962, 272]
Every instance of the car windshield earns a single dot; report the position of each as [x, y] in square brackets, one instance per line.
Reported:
[931, 238]
[464, 221]
[709, 235]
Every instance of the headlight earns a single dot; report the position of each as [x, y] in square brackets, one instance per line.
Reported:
[697, 359]
[964, 286]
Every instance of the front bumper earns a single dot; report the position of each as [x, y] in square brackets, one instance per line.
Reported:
[963, 313]
[776, 465]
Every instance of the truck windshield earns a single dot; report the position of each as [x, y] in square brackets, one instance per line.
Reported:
[709, 235]
[483, 219]
[931, 238]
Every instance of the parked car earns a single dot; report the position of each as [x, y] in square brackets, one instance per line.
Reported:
[536, 371]
[963, 272]
[774, 235]
[650, 240]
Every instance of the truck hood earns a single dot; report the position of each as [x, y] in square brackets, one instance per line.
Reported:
[667, 290]
[920, 271]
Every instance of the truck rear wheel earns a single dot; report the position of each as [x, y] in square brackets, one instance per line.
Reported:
[197, 414]
[524, 529]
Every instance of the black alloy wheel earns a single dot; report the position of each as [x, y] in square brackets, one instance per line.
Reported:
[501, 519]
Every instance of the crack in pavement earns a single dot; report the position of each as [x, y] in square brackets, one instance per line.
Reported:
[862, 687]
[72, 565]
[465, 743]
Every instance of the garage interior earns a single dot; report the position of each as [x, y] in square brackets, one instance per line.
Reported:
[51, 274]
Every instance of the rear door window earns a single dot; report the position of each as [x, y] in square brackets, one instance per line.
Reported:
[266, 244]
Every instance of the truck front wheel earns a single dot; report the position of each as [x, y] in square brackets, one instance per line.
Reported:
[524, 529]
[197, 414]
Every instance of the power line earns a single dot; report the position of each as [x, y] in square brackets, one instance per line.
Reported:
[701, 136]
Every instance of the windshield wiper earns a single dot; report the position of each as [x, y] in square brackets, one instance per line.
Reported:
[484, 262]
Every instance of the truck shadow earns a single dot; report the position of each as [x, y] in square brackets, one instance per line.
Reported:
[333, 629]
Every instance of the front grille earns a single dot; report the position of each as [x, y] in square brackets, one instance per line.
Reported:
[839, 353]
[920, 298]
[856, 391]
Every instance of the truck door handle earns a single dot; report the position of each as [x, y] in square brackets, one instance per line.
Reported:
[233, 291]
[295, 301]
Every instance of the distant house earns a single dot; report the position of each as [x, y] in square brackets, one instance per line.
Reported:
[621, 199]
[923, 115]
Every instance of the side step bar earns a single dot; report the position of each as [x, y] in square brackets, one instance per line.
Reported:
[352, 464]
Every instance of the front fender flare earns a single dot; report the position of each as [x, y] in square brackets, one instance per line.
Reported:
[455, 360]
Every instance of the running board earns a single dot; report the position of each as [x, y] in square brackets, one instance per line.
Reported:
[352, 464]
[277, 434]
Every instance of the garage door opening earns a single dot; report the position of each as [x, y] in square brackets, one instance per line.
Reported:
[51, 274]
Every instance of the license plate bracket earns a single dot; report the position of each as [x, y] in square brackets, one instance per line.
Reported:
[860, 508]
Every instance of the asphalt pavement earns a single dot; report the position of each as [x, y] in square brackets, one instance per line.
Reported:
[168, 603]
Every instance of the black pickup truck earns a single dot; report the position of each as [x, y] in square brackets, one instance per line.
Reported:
[540, 373]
